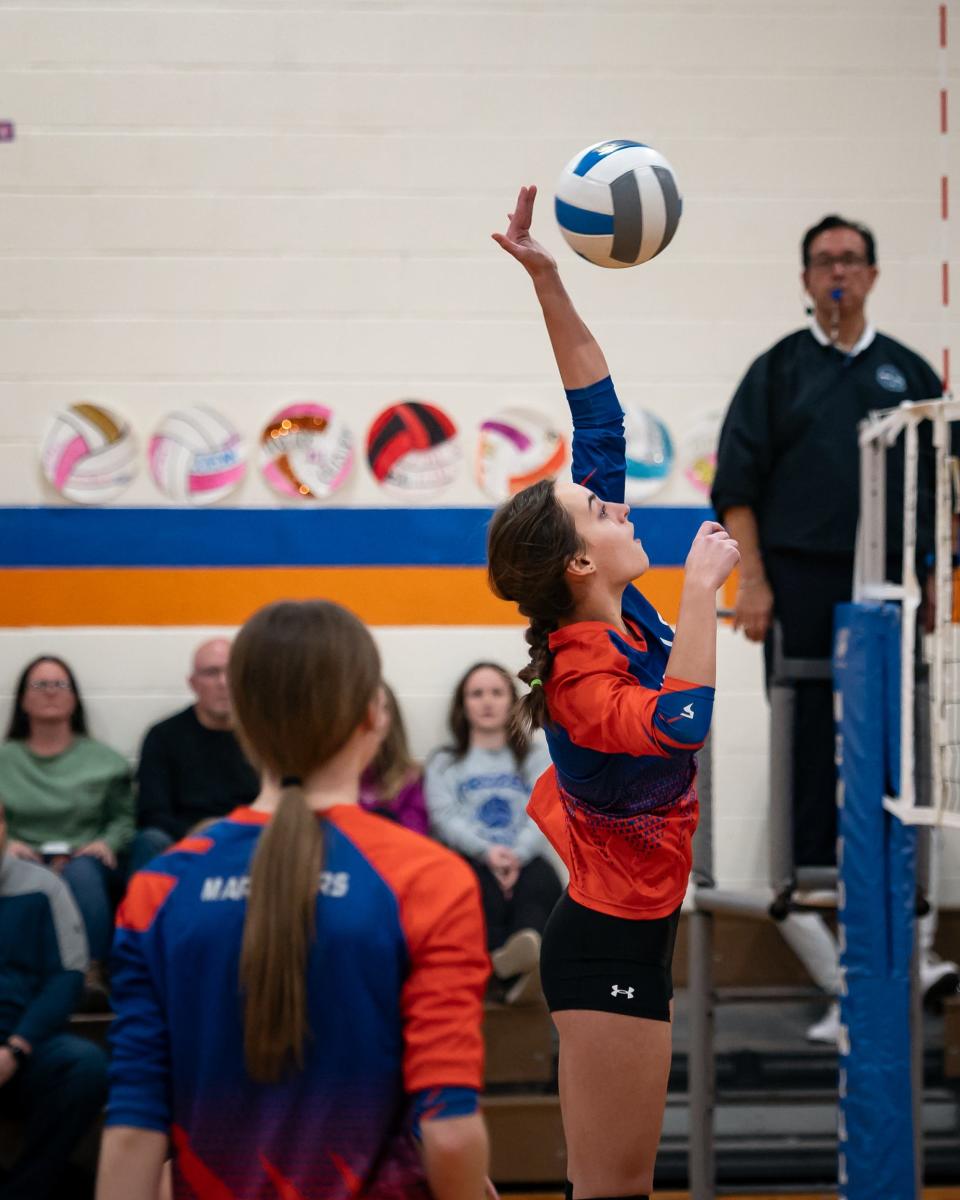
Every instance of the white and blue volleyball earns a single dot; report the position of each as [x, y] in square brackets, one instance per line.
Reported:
[649, 456]
[617, 203]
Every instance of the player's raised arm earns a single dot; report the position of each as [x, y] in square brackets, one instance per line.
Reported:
[579, 358]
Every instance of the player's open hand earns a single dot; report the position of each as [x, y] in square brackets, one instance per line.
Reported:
[518, 241]
[712, 557]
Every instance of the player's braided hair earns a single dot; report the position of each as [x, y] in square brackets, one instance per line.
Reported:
[531, 542]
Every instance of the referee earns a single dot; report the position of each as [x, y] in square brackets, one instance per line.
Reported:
[787, 489]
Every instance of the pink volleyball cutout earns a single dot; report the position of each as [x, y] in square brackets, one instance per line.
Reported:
[196, 456]
[306, 452]
[88, 454]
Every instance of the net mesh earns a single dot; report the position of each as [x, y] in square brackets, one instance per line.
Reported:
[930, 661]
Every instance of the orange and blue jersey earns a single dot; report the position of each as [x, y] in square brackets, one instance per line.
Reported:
[395, 983]
[619, 803]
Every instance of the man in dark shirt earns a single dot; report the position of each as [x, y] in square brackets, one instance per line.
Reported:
[787, 488]
[191, 765]
[53, 1081]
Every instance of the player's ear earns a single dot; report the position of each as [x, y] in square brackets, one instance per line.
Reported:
[377, 718]
[580, 567]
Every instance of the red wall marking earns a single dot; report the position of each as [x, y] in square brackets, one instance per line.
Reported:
[945, 283]
[943, 27]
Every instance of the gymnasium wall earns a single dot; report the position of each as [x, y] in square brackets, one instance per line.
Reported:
[247, 203]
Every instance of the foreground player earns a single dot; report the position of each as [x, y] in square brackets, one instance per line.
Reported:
[300, 986]
[625, 703]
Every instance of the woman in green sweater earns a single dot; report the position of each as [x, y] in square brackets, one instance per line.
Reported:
[68, 798]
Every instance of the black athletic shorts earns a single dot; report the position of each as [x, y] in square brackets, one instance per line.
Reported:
[608, 964]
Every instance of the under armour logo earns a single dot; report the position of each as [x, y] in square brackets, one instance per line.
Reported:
[619, 991]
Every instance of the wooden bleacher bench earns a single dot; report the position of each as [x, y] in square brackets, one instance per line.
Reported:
[520, 1101]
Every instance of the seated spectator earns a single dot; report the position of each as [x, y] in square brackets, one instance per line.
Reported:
[477, 791]
[53, 1081]
[68, 798]
[393, 783]
[191, 764]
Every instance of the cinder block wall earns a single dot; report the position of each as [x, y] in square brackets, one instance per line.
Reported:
[246, 205]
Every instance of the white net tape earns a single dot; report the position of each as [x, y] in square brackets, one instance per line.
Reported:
[930, 688]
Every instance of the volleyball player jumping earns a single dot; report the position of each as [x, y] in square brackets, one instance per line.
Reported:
[299, 989]
[625, 702]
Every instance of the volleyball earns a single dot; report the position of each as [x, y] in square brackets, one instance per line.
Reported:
[698, 452]
[88, 454]
[517, 447]
[413, 449]
[617, 203]
[306, 452]
[649, 454]
[196, 456]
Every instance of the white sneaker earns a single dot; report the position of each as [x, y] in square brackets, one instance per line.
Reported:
[519, 954]
[526, 990]
[827, 1029]
[938, 979]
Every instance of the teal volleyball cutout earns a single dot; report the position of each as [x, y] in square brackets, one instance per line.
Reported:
[650, 454]
[617, 203]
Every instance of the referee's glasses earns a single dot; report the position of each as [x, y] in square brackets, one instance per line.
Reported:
[826, 262]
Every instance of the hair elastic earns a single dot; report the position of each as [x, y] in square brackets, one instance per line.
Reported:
[536, 683]
[291, 781]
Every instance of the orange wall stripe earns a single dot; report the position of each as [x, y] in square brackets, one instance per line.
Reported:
[90, 596]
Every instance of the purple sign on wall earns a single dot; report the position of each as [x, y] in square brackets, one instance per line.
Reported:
[6, 131]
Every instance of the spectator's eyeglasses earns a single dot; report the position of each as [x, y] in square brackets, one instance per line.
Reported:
[211, 672]
[49, 685]
[825, 262]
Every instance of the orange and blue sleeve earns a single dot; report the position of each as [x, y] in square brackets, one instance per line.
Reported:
[599, 448]
[140, 1049]
[602, 706]
[442, 998]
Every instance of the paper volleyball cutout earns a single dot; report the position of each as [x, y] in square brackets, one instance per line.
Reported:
[196, 456]
[517, 447]
[306, 452]
[413, 449]
[88, 454]
[649, 454]
[698, 452]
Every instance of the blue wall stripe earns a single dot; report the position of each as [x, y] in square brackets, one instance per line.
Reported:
[273, 537]
[582, 220]
[592, 157]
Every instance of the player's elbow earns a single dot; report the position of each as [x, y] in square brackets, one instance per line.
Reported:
[671, 747]
[682, 722]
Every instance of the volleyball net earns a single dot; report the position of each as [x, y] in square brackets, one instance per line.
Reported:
[897, 695]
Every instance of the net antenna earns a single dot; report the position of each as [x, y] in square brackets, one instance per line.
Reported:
[938, 804]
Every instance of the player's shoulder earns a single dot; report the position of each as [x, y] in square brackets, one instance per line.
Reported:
[402, 858]
[585, 646]
[216, 845]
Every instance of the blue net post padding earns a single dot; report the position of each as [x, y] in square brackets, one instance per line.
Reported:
[876, 858]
